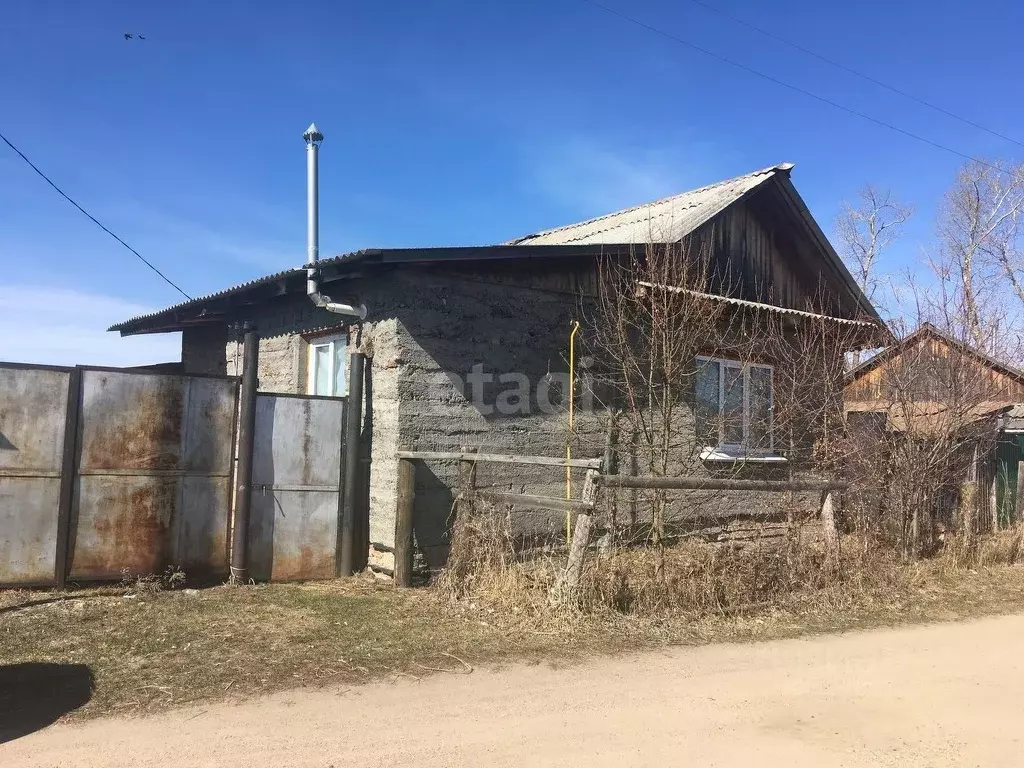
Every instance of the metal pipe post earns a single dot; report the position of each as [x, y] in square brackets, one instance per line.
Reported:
[246, 446]
[353, 421]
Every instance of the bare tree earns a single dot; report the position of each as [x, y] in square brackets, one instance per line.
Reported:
[689, 372]
[980, 252]
[866, 229]
[652, 319]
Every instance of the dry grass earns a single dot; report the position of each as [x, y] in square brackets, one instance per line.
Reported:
[698, 578]
[1002, 548]
[150, 649]
[714, 591]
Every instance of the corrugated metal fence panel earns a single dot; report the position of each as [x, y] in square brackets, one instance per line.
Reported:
[33, 403]
[154, 474]
[296, 478]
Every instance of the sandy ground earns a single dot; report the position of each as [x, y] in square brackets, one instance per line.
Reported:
[941, 695]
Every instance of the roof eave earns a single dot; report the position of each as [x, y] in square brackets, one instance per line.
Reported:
[338, 267]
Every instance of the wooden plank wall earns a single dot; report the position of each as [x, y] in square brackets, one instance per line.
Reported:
[992, 384]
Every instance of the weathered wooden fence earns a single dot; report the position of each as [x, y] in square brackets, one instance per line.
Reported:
[582, 506]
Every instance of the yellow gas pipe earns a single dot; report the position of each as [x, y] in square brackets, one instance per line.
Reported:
[568, 442]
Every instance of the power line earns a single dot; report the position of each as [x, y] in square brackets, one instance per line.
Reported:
[91, 217]
[852, 71]
[795, 88]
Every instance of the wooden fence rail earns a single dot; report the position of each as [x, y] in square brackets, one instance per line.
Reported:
[535, 502]
[500, 458]
[467, 491]
[717, 484]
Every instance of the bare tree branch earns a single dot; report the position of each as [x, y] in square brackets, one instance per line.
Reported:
[865, 230]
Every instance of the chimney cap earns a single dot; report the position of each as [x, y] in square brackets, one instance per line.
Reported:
[313, 135]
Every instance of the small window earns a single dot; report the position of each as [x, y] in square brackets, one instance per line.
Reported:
[328, 366]
[733, 405]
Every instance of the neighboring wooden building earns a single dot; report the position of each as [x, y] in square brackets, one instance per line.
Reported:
[932, 386]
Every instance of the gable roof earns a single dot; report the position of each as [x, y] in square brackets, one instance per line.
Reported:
[925, 331]
[668, 220]
[672, 219]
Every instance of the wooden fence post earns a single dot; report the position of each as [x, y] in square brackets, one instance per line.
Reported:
[968, 499]
[466, 482]
[634, 469]
[828, 525]
[403, 522]
[609, 465]
[590, 485]
[567, 588]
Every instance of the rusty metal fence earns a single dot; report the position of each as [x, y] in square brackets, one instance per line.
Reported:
[107, 471]
[153, 474]
[34, 489]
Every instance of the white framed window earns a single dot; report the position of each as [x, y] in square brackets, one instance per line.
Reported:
[328, 366]
[734, 406]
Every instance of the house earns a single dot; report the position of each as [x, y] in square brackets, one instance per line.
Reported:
[933, 388]
[467, 346]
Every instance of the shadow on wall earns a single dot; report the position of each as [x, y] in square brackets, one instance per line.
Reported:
[35, 695]
[483, 365]
[433, 531]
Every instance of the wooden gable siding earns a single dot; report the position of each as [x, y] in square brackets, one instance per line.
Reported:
[936, 363]
[759, 260]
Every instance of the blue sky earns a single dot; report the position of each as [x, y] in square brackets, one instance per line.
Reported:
[446, 123]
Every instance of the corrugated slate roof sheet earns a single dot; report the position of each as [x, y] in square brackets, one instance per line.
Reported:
[759, 305]
[662, 221]
[233, 289]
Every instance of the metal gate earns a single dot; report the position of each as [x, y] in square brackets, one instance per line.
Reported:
[105, 471]
[297, 484]
[33, 430]
[154, 474]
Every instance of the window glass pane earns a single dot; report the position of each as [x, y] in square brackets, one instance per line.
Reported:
[706, 411]
[340, 368]
[321, 369]
[732, 405]
[759, 434]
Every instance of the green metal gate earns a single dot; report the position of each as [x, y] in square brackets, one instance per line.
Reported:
[1008, 453]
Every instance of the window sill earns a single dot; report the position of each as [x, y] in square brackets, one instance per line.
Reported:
[730, 456]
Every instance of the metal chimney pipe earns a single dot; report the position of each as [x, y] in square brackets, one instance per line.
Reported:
[313, 138]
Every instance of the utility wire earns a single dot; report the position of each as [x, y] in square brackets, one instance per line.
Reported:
[795, 88]
[850, 70]
[92, 218]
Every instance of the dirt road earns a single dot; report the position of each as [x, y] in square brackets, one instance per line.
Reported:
[942, 695]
